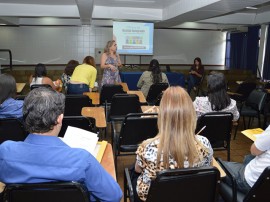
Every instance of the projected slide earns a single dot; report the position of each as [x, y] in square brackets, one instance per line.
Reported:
[134, 38]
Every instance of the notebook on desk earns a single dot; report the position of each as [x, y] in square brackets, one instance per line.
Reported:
[252, 133]
[79, 138]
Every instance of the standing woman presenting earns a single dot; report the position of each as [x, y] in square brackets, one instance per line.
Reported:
[110, 62]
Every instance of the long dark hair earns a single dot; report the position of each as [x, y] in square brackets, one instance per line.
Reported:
[217, 93]
[7, 87]
[70, 67]
[40, 71]
[155, 69]
[199, 60]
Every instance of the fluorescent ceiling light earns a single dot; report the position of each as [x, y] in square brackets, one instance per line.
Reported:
[251, 7]
[2, 24]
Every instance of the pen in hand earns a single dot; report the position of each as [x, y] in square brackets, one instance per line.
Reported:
[201, 130]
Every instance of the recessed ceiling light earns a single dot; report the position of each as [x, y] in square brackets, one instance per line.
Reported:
[251, 7]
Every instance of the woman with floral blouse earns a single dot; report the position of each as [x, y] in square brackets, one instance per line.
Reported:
[175, 146]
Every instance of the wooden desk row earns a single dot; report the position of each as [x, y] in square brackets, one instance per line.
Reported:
[125, 86]
[107, 161]
[95, 96]
[98, 113]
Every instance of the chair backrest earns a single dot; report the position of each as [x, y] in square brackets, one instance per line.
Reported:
[267, 85]
[108, 91]
[136, 129]
[190, 184]
[218, 128]
[46, 192]
[78, 122]
[39, 85]
[75, 103]
[201, 80]
[245, 89]
[20, 97]
[155, 90]
[256, 100]
[157, 101]
[260, 190]
[11, 129]
[123, 104]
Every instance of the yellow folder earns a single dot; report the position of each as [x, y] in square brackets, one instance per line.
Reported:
[101, 146]
[252, 133]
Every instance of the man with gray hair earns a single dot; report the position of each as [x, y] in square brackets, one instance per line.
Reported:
[43, 157]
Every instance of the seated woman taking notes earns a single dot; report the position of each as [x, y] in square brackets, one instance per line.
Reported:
[152, 76]
[40, 77]
[9, 107]
[217, 99]
[175, 146]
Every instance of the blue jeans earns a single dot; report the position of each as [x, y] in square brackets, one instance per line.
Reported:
[77, 88]
[192, 81]
[238, 170]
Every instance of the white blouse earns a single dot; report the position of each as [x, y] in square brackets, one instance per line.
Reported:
[202, 106]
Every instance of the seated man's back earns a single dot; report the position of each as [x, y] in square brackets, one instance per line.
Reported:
[43, 157]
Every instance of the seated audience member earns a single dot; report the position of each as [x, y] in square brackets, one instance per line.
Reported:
[9, 107]
[152, 76]
[40, 77]
[43, 157]
[175, 146]
[248, 172]
[68, 72]
[195, 74]
[84, 77]
[217, 99]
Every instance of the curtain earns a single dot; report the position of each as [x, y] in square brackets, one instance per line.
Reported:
[238, 51]
[242, 49]
[228, 49]
[253, 48]
[266, 66]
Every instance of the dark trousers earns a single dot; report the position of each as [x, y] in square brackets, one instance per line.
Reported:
[238, 170]
[134, 177]
[192, 81]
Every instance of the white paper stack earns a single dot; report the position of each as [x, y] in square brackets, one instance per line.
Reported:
[79, 138]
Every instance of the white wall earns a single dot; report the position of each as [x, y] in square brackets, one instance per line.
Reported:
[57, 45]
[182, 46]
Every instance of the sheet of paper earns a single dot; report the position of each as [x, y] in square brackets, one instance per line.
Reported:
[95, 152]
[79, 138]
[252, 133]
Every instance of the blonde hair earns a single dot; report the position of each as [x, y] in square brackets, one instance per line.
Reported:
[176, 122]
[107, 47]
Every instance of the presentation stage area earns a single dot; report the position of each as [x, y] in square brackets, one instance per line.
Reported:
[57, 45]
